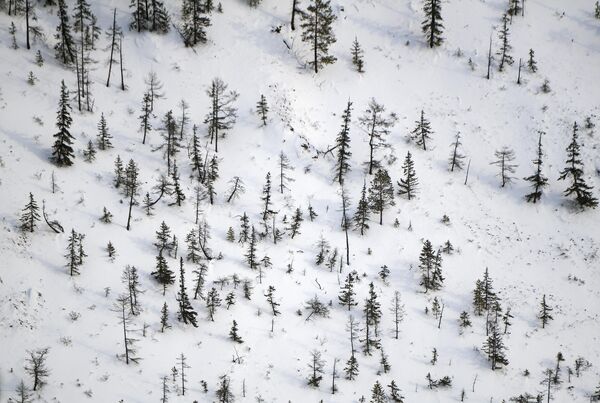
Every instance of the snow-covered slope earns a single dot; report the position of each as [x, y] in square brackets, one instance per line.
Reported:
[530, 250]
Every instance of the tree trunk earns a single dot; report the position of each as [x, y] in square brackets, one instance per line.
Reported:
[112, 47]
[121, 62]
[27, 28]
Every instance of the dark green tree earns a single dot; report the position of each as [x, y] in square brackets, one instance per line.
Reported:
[194, 22]
[421, 134]
[538, 180]
[62, 152]
[186, 314]
[505, 48]
[65, 46]
[381, 193]
[432, 24]
[317, 31]
[30, 215]
[408, 185]
[342, 144]
[574, 171]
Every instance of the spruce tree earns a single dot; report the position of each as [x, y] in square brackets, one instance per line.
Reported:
[378, 394]
[372, 313]
[104, 136]
[160, 21]
[351, 369]
[505, 157]
[597, 16]
[266, 198]
[427, 266]
[408, 185]
[361, 215]
[65, 46]
[144, 118]
[421, 134]
[213, 301]
[139, 15]
[545, 315]
[62, 152]
[163, 275]
[12, 30]
[73, 262]
[505, 48]
[357, 56]
[297, 219]
[432, 24]
[395, 393]
[164, 318]
[233, 333]
[456, 158]
[270, 295]
[574, 171]
[495, 349]
[377, 125]
[132, 184]
[531, 63]
[262, 109]
[538, 180]
[194, 22]
[317, 30]
[89, 154]
[30, 215]
[186, 311]
[342, 143]
[347, 293]
[381, 193]
[250, 256]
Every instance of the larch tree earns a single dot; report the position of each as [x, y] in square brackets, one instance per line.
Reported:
[505, 156]
[432, 24]
[114, 34]
[284, 168]
[574, 171]
[222, 114]
[377, 125]
[456, 157]
[62, 152]
[317, 31]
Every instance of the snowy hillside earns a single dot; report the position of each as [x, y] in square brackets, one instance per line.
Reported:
[533, 252]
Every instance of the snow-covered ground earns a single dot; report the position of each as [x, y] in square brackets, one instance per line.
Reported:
[530, 250]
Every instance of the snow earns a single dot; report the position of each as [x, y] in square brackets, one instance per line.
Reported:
[530, 250]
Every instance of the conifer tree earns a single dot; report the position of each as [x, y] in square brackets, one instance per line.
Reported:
[574, 171]
[233, 333]
[456, 158]
[262, 109]
[89, 154]
[250, 256]
[408, 185]
[317, 30]
[357, 56]
[545, 315]
[342, 143]
[213, 301]
[421, 134]
[244, 228]
[194, 22]
[164, 318]
[315, 365]
[266, 197]
[139, 15]
[130, 278]
[514, 8]
[347, 293]
[186, 311]
[160, 21]
[377, 125]
[381, 193]
[597, 16]
[427, 266]
[73, 262]
[222, 114]
[372, 313]
[35, 366]
[295, 223]
[24, 394]
[495, 349]
[132, 185]
[62, 152]
[284, 168]
[30, 215]
[361, 215]
[114, 34]
[65, 46]
[145, 124]
[211, 176]
[177, 191]
[39, 59]
[351, 369]
[531, 63]
[163, 275]
[538, 180]
[270, 295]
[505, 48]
[378, 394]
[125, 318]
[395, 393]
[505, 157]
[104, 136]
[432, 24]
[12, 30]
